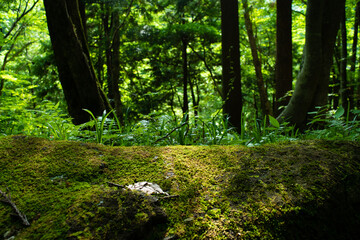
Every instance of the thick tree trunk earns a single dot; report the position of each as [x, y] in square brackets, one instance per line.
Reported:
[264, 101]
[284, 77]
[322, 24]
[231, 79]
[76, 73]
[82, 10]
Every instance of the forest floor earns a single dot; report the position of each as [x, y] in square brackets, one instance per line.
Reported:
[76, 190]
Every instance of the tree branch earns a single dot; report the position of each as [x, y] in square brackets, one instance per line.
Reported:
[20, 17]
[17, 53]
[162, 138]
[6, 60]
[111, 184]
[202, 58]
[122, 24]
[7, 199]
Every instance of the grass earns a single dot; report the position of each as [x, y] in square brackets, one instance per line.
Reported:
[163, 130]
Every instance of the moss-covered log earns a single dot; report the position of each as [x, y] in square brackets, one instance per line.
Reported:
[291, 190]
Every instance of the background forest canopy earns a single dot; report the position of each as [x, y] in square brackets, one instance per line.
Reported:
[160, 72]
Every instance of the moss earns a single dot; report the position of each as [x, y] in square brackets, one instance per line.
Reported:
[291, 190]
[115, 214]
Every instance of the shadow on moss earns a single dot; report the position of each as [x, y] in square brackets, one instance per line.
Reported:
[303, 192]
[117, 214]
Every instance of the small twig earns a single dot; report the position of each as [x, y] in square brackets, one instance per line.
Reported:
[176, 128]
[248, 142]
[115, 185]
[169, 196]
[7, 199]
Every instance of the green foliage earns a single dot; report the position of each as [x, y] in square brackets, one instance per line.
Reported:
[335, 125]
[98, 123]
[273, 121]
[151, 33]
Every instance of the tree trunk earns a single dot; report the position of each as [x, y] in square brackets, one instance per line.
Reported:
[283, 74]
[76, 72]
[82, 10]
[231, 79]
[195, 100]
[264, 101]
[185, 107]
[116, 67]
[322, 24]
[336, 68]
[344, 90]
[354, 50]
[111, 22]
[334, 90]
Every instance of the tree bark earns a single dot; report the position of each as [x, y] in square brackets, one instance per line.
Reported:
[112, 52]
[264, 101]
[283, 74]
[356, 100]
[344, 89]
[231, 79]
[76, 72]
[185, 107]
[195, 100]
[311, 90]
[116, 67]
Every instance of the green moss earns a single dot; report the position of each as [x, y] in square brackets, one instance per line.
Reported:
[292, 190]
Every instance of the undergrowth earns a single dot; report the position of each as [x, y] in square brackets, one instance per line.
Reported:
[48, 120]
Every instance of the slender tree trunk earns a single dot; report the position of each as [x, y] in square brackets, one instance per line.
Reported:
[76, 72]
[231, 79]
[111, 22]
[195, 100]
[336, 74]
[99, 65]
[116, 67]
[107, 25]
[334, 90]
[354, 51]
[264, 101]
[311, 90]
[185, 107]
[344, 89]
[284, 77]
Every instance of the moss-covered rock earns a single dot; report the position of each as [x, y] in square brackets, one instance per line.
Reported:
[290, 190]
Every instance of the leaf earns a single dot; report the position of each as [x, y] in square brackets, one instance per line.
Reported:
[274, 122]
[339, 112]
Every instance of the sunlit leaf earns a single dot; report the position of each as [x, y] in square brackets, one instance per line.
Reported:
[274, 122]
[339, 112]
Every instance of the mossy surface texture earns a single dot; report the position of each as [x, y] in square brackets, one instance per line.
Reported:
[289, 190]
